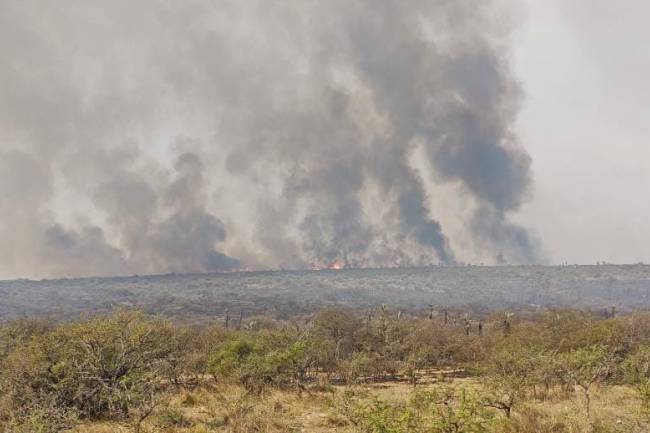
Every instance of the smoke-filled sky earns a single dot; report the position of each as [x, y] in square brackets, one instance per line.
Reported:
[585, 121]
[156, 136]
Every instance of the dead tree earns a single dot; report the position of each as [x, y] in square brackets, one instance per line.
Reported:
[369, 321]
[506, 323]
[383, 325]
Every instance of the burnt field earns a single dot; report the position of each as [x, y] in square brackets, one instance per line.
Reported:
[197, 297]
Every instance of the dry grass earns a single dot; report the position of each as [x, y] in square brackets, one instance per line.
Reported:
[230, 409]
[614, 406]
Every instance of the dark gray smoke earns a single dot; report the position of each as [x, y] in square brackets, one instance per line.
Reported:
[161, 136]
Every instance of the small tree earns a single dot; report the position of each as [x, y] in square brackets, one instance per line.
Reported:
[510, 372]
[585, 367]
[636, 371]
[107, 367]
[256, 365]
[340, 327]
[449, 410]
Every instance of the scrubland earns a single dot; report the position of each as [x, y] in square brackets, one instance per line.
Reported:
[199, 298]
[337, 370]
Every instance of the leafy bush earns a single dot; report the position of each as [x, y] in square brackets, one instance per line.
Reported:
[510, 372]
[364, 366]
[438, 410]
[450, 410]
[257, 365]
[170, 417]
[20, 332]
[44, 417]
[636, 371]
[636, 367]
[585, 367]
[101, 368]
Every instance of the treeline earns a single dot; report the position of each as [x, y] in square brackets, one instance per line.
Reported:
[118, 366]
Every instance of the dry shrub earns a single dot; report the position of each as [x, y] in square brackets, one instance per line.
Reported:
[45, 417]
[108, 367]
[188, 400]
[534, 421]
[170, 417]
[249, 414]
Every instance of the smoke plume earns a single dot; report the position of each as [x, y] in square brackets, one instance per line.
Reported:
[158, 136]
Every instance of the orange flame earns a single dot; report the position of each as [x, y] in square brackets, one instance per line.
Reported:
[336, 265]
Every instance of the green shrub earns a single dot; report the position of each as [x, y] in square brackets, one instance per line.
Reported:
[170, 417]
[102, 368]
[453, 410]
[44, 417]
[585, 367]
[438, 410]
[636, 366]
[257, 365]
[510, 373]
[363, 366]
[19, 332]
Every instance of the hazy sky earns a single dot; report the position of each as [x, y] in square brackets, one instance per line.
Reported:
[158, 136]
[585, 121]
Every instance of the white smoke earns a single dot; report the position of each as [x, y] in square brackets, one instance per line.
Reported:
[157, 136]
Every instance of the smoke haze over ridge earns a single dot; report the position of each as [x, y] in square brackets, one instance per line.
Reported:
[155, 136]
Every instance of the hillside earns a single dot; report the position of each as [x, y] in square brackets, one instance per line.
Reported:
[282, 294]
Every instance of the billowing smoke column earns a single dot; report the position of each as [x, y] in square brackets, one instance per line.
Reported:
[159, 136]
